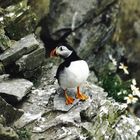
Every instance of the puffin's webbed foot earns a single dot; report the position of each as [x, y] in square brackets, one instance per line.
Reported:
[81, 96]
[69, 100]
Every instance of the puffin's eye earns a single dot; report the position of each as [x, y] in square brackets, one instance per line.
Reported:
[61, 48]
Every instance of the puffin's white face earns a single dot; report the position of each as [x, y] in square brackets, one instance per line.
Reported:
[63, 51]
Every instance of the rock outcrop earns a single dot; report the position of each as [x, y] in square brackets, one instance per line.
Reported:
[43, 115]
[22, 56]
[8, 112]
[93, 40]
[14, 90]
[47, 116]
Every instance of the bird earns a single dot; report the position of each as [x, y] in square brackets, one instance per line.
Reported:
[72, 72]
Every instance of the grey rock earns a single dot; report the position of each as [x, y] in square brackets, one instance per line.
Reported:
[4, 77]
[89, 40]
[111, 122]
[127, 122]
[61, 18]
[47, 116]
[21, 47]
[27, 118]
[2, 120]
[59, 98]
[34, 107]
[32, 73]
[30, 61]
[13, 90]
[7, 133]
[2, 69]
[73, 116]
[10, 113]
[5, 42]
[137, 27]
[41, 8]
[60, 103]
[3, 48]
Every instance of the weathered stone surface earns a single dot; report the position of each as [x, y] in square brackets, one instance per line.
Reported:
[21, 47]
[26, 119]
[10, 113]
[32, 60]
[16, 17]
[2, 120]
[5, 42]
[13, 90]
[90, 39]
[60, 103]
[2, 47]
[32, 73]
[4, 77]
[41, 8]
[7, 133]
[35, 107]
[2, 70]
[137, 28]
[96, 118]
[7, 2]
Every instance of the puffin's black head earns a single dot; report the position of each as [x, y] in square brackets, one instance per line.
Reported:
[63, 50]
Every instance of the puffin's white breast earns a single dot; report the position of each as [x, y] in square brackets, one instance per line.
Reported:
[74, 75]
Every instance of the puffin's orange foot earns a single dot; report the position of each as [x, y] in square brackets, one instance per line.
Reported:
[69, 100]
[81, 96]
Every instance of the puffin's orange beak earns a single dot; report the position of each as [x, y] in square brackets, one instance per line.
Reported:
[53, 53]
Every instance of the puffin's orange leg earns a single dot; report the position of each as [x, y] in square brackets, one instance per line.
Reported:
[81, 96]
[69, 100]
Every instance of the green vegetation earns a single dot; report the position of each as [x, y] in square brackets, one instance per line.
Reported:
[24, 134]
[118, 88]
[115, 87]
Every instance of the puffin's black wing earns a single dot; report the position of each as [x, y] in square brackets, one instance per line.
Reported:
[61, 69]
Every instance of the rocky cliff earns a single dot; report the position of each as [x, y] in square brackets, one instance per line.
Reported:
[32, 105]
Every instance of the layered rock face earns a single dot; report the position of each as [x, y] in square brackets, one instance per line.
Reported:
[23, 56]
[32, 105]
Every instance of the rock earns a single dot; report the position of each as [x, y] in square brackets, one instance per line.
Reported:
[4, 77]
[21, 47]
[29, 74]
[2, 70]
[90, 40]
[35, 107]
[7, 133]
[2, 120]
[41, 8]
[59, 98]
[30, 61]
[59, 101]
[103, 121]
[137, 27]
[7, 2]
[10, 113]
[5, 42]
[127, 122]
[99, 117]
[17, 17]
[26, 119]
[60, 18]
[14, 90]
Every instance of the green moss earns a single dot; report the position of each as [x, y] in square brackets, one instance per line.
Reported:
[115, 87]
[24, 134]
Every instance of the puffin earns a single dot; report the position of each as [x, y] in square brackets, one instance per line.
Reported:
[72, 72]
